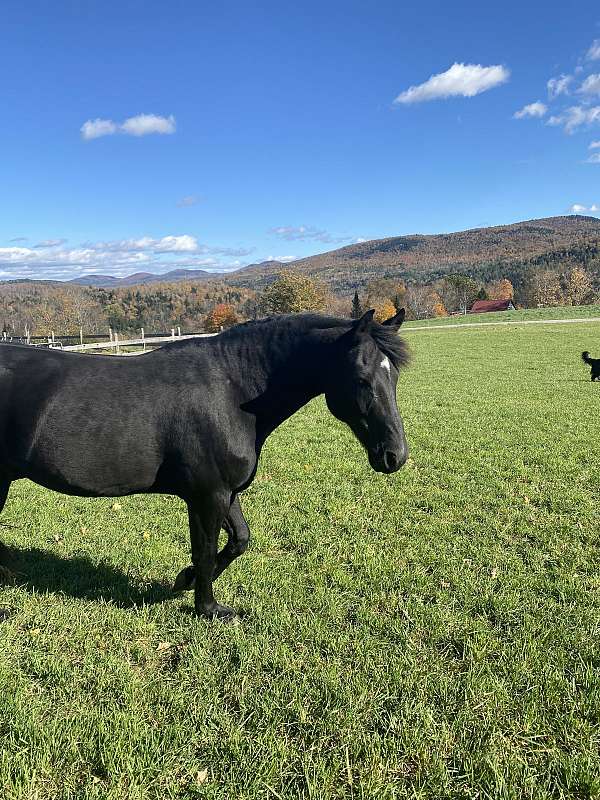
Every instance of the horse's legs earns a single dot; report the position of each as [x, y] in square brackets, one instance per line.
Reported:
[206, 519]
[238, 534]
[6, 575]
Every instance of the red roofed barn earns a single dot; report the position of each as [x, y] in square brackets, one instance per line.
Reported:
[481, 306]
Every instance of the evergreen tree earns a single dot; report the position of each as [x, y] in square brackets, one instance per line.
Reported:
[356, 312]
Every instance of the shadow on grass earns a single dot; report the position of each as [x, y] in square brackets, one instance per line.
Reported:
[42, 571]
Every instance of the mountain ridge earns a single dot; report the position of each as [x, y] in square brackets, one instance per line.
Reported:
[484, 252]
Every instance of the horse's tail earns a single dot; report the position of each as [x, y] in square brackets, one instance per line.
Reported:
[586, 357]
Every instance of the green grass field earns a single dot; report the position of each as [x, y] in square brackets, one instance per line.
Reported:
[518, 315]
[433, 634]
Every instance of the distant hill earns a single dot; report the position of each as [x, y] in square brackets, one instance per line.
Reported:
[138, 278]
[174, 276]
[485, 253]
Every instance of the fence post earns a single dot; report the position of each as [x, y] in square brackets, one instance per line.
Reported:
[143, 340]
[81, 334]
[52, 333]
[117, 342]
[178, 330]
[110, 334]
[172, 333]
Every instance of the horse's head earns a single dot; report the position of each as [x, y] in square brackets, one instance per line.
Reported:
[362, 388]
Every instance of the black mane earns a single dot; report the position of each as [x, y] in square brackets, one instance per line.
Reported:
[386, 338]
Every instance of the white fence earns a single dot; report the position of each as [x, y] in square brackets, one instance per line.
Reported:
[116, 343]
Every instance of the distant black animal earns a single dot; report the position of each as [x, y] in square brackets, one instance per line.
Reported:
[594, 364]
[190, 418]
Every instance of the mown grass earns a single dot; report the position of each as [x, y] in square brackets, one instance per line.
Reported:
[434, 634]
[518, 315]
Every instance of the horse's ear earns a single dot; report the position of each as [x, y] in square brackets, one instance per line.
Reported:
[396, 320]
[364, 323]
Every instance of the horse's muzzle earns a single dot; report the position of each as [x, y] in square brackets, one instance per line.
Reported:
[388, 461]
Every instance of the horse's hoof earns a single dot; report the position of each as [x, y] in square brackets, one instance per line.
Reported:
[218, 612]
[185, 580]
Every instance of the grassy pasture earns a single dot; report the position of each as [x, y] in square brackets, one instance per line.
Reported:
[433, 634]
[518, 315]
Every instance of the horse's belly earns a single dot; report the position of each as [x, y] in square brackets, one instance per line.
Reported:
[93, 466]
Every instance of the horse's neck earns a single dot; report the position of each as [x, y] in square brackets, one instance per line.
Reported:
[282, 373]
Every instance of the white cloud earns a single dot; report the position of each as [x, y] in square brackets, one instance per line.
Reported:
[593, 159]
[461, 80]
[576, 116]
[594, 145]
[94, 128]
[305, 233]
[118, 258]
[142, 125]
[532, 110]
[591, 85]
[188, 200]
[168, 244]
[558, 86]
[14, 254]
[593, 54]
[282, 259]
[176, 244]
[577, 208]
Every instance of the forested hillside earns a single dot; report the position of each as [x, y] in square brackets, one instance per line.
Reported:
[41, 307]
[484, 253]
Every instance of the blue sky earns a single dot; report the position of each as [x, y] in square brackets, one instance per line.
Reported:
[143, 136]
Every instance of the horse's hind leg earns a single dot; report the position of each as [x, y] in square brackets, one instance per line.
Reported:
[6, 574]
[238, 535]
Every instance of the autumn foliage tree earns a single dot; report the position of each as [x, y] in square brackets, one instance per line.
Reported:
[293, 293]
[500, 290]
[543, 288]
[221, 316]
[578, 287]
[461, 291]
[384, 309]
[423, 302]
[438, 309]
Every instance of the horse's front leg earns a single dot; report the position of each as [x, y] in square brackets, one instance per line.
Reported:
[238, 535]
[205, 519]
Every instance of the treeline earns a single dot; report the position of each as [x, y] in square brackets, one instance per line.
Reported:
[39, 308]
[541, 287]
[64, 308]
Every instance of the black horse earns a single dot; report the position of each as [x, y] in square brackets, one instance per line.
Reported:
[190, 418]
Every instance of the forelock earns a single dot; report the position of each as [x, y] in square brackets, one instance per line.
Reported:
[390, 344]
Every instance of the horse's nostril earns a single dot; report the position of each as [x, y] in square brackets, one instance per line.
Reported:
[394, 460]
[390, 460]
